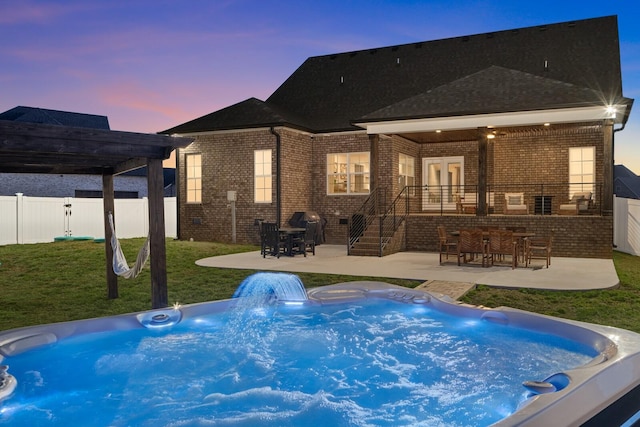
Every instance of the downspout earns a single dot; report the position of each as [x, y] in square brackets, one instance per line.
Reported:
[277, 135]
[177, 187]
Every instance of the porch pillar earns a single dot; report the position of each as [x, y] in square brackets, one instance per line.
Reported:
[374, 153]
[607, 169]
[482, 172]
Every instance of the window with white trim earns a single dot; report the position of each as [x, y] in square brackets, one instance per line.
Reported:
[582, 168]
[262, 178]
[193, 165]
[348, 173]
[407, 173]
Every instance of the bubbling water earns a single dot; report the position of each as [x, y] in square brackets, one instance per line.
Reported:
[267, 287]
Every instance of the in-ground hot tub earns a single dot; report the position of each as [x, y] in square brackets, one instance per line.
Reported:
[358, 353]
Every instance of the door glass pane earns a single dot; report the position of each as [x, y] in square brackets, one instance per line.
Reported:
[455, 178]
[433, 180]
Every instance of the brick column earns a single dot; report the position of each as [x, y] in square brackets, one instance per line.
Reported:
[482, 172]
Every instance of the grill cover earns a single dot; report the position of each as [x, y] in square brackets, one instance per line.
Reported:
[300, 219]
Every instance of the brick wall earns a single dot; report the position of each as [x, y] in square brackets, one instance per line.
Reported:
[577, 236]
[517, 158]
[335, 208]
[227, 160]
[297, 178]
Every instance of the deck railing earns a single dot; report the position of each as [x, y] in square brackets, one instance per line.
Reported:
[362, 218]
[539, 198]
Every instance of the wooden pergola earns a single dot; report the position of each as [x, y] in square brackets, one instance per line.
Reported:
[51, 149]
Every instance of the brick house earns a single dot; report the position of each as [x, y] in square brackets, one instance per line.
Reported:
[391, 142]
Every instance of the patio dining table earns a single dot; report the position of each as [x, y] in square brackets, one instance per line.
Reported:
[521, 236]
[290, 234]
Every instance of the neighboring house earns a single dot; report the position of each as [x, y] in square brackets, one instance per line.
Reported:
[626, 183]
[129, 185]
[500, 129]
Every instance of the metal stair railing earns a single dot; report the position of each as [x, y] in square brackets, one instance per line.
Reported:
[393, 218]
[362, 218]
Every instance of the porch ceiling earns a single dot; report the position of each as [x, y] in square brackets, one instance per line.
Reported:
[472, 134]
[513, 119]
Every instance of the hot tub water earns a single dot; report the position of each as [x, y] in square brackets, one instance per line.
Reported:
[367, 361]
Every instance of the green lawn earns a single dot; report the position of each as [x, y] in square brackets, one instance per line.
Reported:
[54, 282]
[618, 307]
[60, 281]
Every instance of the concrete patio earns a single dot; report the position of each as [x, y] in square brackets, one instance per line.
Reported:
[449, 278]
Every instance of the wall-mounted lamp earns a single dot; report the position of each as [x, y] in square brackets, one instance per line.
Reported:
[610, 112]
[491, 135]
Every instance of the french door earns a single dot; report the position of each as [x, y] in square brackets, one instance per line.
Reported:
[443, 182]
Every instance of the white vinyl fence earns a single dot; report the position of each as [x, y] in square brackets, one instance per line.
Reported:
[41, 219]
[626, 225]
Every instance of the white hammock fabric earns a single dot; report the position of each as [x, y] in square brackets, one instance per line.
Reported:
[120, 265]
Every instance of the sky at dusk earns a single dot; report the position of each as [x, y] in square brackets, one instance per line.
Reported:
[152, 64]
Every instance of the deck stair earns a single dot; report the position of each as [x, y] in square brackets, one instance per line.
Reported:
[378, 228]
[370, 243]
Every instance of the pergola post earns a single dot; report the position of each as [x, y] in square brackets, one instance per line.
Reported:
[158, 254]
[108, 205]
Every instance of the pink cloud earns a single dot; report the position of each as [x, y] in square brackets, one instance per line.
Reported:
[29, 12]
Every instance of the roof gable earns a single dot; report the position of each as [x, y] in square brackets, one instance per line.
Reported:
[492, 90]
[350, 85]
[55, 117]
[250, 113]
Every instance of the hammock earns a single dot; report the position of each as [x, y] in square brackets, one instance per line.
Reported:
[120, 265]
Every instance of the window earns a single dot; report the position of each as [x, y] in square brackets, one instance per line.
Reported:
[193, 164]
[348, 173]
[407, 173]
[443, 179]
[262, 178]
[582, 166]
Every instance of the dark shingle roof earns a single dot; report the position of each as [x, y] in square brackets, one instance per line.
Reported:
[492, 90]
[250, 113]
[55, 117]
[327, 93]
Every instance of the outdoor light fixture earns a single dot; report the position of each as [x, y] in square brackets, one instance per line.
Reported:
[491, 135]
[611, 112]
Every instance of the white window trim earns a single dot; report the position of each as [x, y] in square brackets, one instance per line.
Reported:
[349, 175]
[406, 157]
[268, 195]
[189, 179]
[576, 181]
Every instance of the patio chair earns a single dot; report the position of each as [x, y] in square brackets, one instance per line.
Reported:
[539, 248]
[307, 242]
[579, 204]
[502, 242]
[271, 242]
[471, 242]
[448, 246]
[514, 204]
